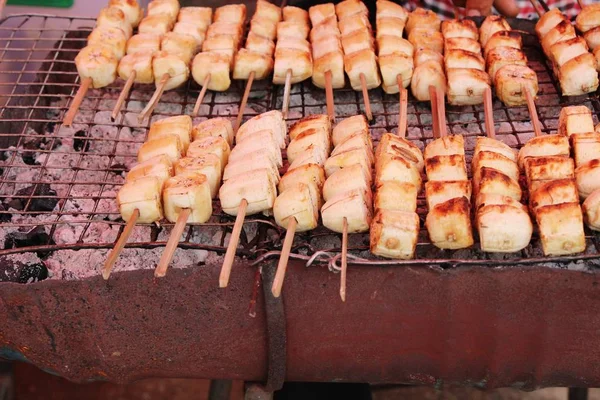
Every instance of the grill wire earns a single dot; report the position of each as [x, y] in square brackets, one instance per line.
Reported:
[84, 165]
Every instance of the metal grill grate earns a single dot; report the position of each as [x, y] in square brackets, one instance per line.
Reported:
[63, 181]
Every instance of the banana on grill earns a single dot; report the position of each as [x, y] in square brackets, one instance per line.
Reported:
[588, 178]
[247, 61]
[189, 29]
[292, 29]
[448, 145]
[98, 63]
[328, 28]
[388, 44]
[396, 168]
[357, 41]
[423, 38]
[496, 161]
[208, 165]
[257, 140]
[449, 224]
[210, 145]
[566, 50]
[215, 64]
[316, 137]
[214, 127]
[331, 62]
[114, 17]
[421, 17]
[588, 18]
[307, 173]
[591, 210]
[354, 23]
[169, 145]
[438, 192]
[503, 228]
[256, 187]
[485, 143]
[189, 190]
[348, 8]
[299, 61]
[226, 29]
[592, 38]
[395, 145]
[260, 44]
[397, 196]
[256, 160]
[386, 8]
[346, 159]
[173, 65]
[423, 55]
[561, 229]
[355, 206]
[311, 155]
[539, 170]
[264, 27]
[391, 66]
[345, 180]
[314, 121]
[503, 39]
[586, 147]
[143, 194]
[460, 28]
[301, 202]
[159, 166]
[267, 10]
[348, 127]
[199, 16]
[491, 25]
[429, 73]
[488, 180]
[394, 234]
[462, 43]
[511, 81]
[184, 45]
[389, 26]
[446, 168]
[325, 46]
[232, 13]
[463, 59]
[130, 8]
[563, 31]
[597, 56]
[466, 86]
[554, 192]
[143, 43]
[180, 125]
[141, 63]
[358, 140]
[164, 7]
[296, 14]
[362, 62]
[548, 21]
[272, 120]
[109, 37]
[158, 25]
[579, 75]
[497, 199]
[575, 119]
[546, 145]
[501, 56]
[223, 44]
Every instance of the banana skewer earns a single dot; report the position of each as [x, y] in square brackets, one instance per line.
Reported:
[253, 188]
[211, 68]
[297, 207]
[250, 64]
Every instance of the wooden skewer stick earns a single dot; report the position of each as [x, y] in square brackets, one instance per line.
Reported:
[488, 111]
[329, 96]
[365, 92]
[403, 109]
[533, 113]
[434, 113]
[77, 100]
[284, 257]
[240, 115]
[123, 96]
[114, 255]
[155, 98]
[286, 93]
[581, 4]
[167, 255]
[233, 242]
[201, 95]
[344, 260]
[441, 112]
[536, 6]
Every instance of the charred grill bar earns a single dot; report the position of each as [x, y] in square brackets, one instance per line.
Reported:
[460, 316]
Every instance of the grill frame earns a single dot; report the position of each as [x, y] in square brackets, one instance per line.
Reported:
[60, 78]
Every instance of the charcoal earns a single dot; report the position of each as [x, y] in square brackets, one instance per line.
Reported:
[4, 215]
[81, 144]
[33, 273]
[50, 127]
[18, 272]
[36, 204]
[118, 168]
[33, 237]
[29, 150]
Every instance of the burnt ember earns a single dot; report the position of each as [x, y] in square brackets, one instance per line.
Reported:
[30, 151]
[33, 273]
[4, 215]
[80, 143]
[18, 272]
[33, 237]
[36, 204]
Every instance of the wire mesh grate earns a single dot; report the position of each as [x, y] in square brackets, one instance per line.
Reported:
[63, 181]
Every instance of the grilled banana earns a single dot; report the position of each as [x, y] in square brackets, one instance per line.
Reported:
[346, 159]
[348, 127]
[421, 17]
[199, 16]
[429, 73]
[423, 55]
[169, 145]
[466, 86]
[463, 59]
[296, 14]
[307, 173]
[247, 61]
[511, 82]
[345, 180]
[208, 165]
[272, 120]
[169, 8]
[561, 229]
[256, 141]
[260, 44]
[503, 228]
[355, 206]
[311, 155]
[98, 63]
[264, 27]
[388, 44]
[315, 121]
[397, 168]
[159, 25]
[173, 65]
[539, 170]
[359, 140]
[491, 25]
[257, 160]
[588, 18]
[495, 146]
[394, 234]
[503, 39]
[180, 125]
[394, 195]
[392, 66]
[114, 17]
[566, 50]
[357, 41]
[437, 192]
[386, 8]
[183, 45]
[465, 44]
[501, 56]
[575, 119]
[130, 8]
[301, 202]
[449, 224]
[332, 62]
[315, 137]
[298, 61]
[354, 23]
[586, 147]
[460, 28]
[445, 146]
[142, 194]
[591, 210]
[189, 190]
[109, 37]
[348, 8]
[210, 145]
[592, 38]
[141, 63]
[563, 31]
[496, 161]
[214, 127]
[546, 145]
[233, 13]
[446, 168]
[548, 21]
[293, 29]
[320, 12]
[264, 9]
[484, 199]
[216, 65]
[256, 187]
[588, 178]
[159, 166]
[554, 192]
[143, 43]
[492, 181]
